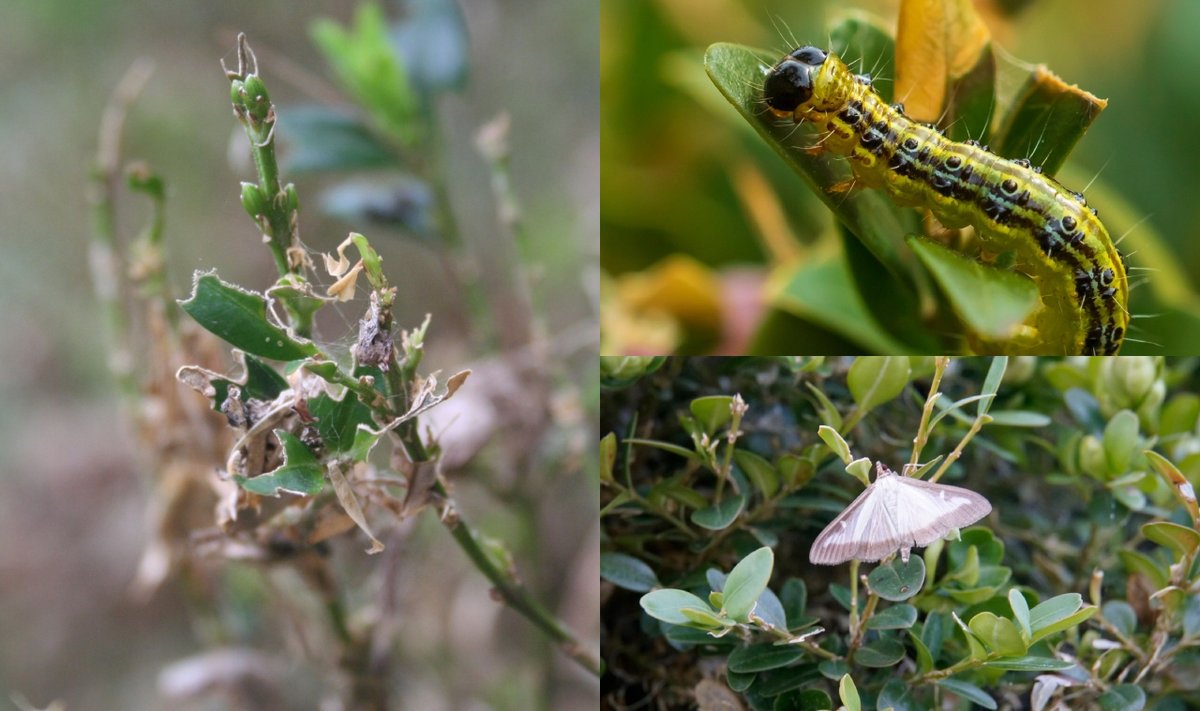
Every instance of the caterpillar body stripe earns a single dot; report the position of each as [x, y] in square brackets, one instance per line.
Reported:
[1054, 237]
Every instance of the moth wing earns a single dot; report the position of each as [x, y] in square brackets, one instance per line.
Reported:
[927, 511]
[863, 531]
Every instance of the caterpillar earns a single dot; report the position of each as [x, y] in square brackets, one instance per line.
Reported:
[1052, 234]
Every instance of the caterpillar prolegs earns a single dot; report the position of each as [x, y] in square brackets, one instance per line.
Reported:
[1054, 237]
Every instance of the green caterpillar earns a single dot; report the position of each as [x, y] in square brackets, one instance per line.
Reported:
[1054, 237]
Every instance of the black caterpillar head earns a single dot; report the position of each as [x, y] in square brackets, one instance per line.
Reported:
[790, 82]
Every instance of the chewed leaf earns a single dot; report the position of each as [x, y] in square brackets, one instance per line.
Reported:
[338, 421]
[301, 472]
[1048, 118]
[366, 437]
[239, 317]
[258, 381]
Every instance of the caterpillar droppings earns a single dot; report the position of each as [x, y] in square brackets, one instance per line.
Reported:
[1054, 237]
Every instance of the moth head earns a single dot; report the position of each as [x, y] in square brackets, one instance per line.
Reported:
[790, 82]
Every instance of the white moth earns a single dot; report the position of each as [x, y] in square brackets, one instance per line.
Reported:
[896, 513]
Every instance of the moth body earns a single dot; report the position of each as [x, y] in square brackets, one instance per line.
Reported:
[896, 513]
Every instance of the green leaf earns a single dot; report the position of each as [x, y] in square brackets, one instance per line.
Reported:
[627, 572]
[1123, 697]
[719, 516]
[924, 656]
[896, 617]
[804, 700]
[758, 470]
[1121, 615]
[239, 317]
[993, 302]
[763, 657]
[1047, 119]
[1191, 616]
[1181, 539]
[370, 71]
[668, 604]
[705, 618]
[1053, 610]
[746, 582]
[1120, 440]
[874, 380]
[1135, 562]
[826, 410]
[1020, 608]
[1018, 418]
[1065, 623]
[897, 581]
[822, 291]
[1030, 664]
[301, 472]
[971, 98]
[896, 695]
[319, 138]
[849, 694]
[884, 652]
[338, 420]
[712, 412]
[991, 384]
[666, 447]
[969, 692]
[794, 598]
[833, 669]
[618, 372]
[999, 634]
[835, 442]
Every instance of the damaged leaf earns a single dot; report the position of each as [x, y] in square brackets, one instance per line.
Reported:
[239, 317]
[258, 381]
[301, 472]
[349, 502]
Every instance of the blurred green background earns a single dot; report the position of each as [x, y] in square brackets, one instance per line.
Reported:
[72, 503]
[682, 174]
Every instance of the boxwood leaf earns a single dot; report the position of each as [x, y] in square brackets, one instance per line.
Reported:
[969, 692]
[762, 657]
[849, 694]
[627, 572]
[667, 605]
[718, 516]
[1054, 609]
[239, 317]
[896, 617]
[897, 580]
[1030, 664]
[1181, 539]
[880, 653]
[1123, 697]
[999, 634]
[301, 472]
[746, 582]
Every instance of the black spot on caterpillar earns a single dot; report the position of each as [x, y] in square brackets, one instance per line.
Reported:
[1054, 237]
